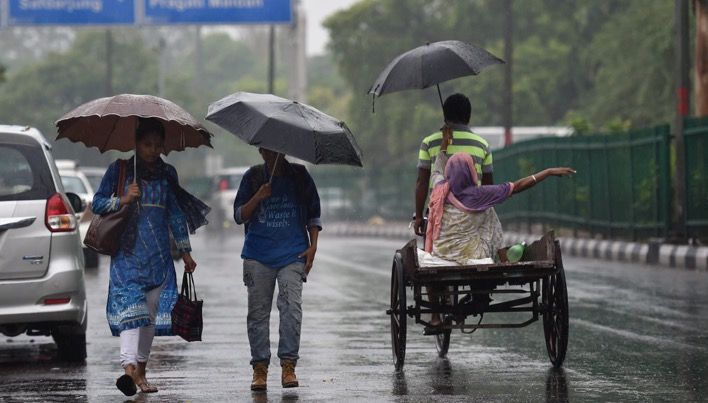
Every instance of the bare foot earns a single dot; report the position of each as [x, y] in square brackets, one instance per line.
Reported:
[141, 380]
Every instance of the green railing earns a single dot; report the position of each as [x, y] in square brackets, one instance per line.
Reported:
[621, 189]
[696, 142]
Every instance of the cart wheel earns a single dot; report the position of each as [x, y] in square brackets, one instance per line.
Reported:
[398, 312]
[442, 340]
[555, 318]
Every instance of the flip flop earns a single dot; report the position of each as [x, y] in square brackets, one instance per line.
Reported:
[126, 385]
[146, 387]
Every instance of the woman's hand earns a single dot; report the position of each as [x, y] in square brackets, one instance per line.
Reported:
[189, 264]
[309, 255]
[560, 171]
[132, 195]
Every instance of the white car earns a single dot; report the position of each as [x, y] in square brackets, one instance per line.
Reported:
[75, 181]
[42, 289]
[225, 184]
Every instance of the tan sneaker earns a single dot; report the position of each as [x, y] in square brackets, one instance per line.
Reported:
[288, 377]
[260, 375]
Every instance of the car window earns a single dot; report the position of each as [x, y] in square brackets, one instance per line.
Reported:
[73, 184]
[94, 180]
[24, 173]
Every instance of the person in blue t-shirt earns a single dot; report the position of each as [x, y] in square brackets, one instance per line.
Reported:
[279, 206]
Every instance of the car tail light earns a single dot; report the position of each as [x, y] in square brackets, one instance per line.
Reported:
[58, 215]
[57, 301]
[223, 184]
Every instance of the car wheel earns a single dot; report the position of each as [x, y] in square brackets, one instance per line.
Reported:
[90, 258]
[71, 343]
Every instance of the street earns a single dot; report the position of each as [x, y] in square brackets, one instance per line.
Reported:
[636, 334]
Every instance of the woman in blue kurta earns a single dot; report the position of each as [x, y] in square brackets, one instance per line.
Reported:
[143, 289]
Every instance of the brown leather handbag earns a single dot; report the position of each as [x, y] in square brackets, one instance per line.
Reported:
[105, 230]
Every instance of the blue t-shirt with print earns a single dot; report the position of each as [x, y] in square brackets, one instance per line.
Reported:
[276, 234]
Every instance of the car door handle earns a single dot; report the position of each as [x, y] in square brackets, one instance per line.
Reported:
[15, 222]
[34, 259]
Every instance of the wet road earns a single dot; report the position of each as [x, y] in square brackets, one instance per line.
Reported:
[636, 334]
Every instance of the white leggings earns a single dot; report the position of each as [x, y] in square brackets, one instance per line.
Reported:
[135, 343]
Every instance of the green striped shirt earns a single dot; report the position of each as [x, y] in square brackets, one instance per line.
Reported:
[463, 140]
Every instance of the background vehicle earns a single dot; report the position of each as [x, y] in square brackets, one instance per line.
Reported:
[75, 181]
[225, 185]
[93, 174]
[42, 288]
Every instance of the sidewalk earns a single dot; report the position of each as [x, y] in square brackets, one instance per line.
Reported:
[652, 253]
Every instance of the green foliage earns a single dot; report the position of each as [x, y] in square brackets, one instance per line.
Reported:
[607, 61]
[632, 64]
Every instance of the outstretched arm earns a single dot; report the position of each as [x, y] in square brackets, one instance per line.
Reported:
[531, 181]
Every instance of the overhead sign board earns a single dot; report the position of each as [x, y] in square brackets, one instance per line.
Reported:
[71, 12]
[218, 11]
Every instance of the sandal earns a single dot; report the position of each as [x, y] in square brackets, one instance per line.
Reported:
[126, 385]
[146, 387]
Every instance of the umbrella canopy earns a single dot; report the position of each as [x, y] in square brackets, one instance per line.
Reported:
[286, 126]
[432, 64]
[109, 123]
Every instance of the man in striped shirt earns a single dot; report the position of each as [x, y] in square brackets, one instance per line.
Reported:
[457, 111]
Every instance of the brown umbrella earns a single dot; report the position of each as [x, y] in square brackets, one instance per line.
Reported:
[109, 123]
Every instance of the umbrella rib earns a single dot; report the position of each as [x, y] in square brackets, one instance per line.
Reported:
[108, 137]
[312, 129]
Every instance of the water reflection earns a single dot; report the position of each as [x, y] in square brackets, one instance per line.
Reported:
[400, 387]
[259, 397]
[441, 377]
[289, 396]
[556, 386]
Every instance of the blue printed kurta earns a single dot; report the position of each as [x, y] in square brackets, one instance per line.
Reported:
[148, 264]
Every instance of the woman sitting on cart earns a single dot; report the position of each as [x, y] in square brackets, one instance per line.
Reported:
[462, 224]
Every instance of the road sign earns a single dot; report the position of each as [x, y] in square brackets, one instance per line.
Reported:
[71, 12]
[218, 12]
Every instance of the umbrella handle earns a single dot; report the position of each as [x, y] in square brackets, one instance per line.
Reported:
[272, 172]
[439, 95]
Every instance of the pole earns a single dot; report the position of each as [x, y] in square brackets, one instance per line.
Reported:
[682, 110]
[271, 59]
[161, 67]
[109, 63]
[198, 57]
[508, 52]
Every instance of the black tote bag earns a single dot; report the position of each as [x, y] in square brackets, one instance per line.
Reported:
[187, 314]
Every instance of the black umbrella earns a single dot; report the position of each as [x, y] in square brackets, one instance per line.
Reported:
[432, 64]
[286, 126]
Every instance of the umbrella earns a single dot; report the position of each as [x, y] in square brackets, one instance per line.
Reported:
[286, 126]
[109, 123]
[432, 64]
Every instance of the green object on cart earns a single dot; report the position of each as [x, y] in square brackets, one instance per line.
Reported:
[515, 252]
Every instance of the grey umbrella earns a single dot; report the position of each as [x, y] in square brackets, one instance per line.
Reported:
[432, 64]
[286, 126]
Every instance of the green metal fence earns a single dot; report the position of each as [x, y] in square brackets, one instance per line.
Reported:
[696, 142]
[621, 189]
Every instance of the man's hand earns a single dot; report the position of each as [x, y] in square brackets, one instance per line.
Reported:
[189, 264]
[263, 192]
[418, 226]
[446, 137]
[309, 255]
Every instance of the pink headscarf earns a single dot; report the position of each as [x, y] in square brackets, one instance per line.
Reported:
[462, 189]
